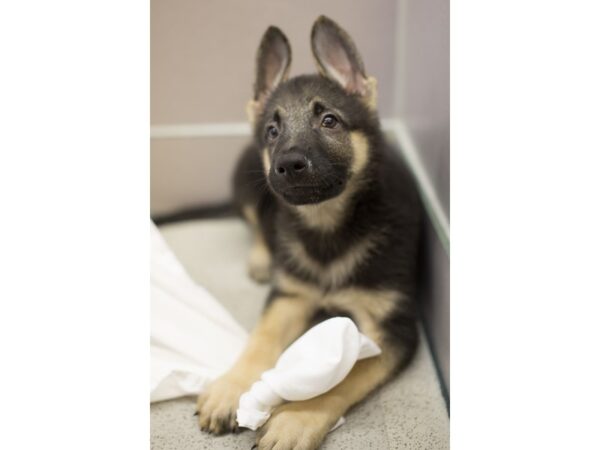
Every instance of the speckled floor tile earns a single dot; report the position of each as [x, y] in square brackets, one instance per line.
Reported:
[407, 413]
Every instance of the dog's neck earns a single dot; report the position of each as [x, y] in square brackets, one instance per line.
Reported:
[330, 214]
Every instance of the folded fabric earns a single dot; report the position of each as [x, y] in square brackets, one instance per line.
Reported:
[193, 339]
[315, 363]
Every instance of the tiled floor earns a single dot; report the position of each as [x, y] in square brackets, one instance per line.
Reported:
[407, 413]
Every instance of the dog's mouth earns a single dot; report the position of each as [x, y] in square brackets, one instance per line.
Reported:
[308, 188]
[310, 194]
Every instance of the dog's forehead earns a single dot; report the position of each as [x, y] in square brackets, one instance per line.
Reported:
[297, 96]
[292, 105]
[292, 102]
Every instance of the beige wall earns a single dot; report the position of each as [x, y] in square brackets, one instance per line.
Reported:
[425, 86]
[191, 172]
[202, 51]
[202, 66]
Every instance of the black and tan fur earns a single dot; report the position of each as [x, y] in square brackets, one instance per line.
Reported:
[335, 215]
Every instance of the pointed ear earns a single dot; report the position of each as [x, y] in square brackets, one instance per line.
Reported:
[337, 58]
[273, 61]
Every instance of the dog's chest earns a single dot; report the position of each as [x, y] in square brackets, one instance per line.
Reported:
[324, 261]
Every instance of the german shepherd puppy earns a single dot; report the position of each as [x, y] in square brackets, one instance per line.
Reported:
[335, 216]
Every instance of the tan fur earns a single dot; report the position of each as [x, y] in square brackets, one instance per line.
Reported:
[282, 322]
[292, 285]
[371, 96]
[266, 161]
[304, 424]
[334, 273]
[252, 111]
[295, 425]
[249, 213]
[259, 259]
[327, 215]
[360, 152]
[368, 307]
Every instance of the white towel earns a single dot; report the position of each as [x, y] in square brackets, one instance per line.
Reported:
[193, 339]
[315, 363]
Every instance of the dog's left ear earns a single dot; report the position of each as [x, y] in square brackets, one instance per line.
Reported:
[273, 61]
[337, 58]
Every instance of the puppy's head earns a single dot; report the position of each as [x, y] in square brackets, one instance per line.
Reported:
[312, 129]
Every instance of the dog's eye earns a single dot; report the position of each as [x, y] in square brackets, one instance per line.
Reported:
[329, 121]
[272, 132]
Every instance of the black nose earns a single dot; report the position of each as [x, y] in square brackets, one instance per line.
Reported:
[290, 164]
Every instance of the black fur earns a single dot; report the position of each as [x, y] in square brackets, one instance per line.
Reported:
[385, 205]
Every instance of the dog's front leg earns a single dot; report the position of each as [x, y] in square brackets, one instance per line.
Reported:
[303, 425]
[285, 318]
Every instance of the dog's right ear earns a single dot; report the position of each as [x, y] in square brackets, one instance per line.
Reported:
[338, 59]
[273, 61]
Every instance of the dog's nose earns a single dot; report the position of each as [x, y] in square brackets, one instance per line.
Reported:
[290, 164]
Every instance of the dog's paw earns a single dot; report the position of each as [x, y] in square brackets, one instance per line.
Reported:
[297, 425]
[217, 406]
[259, 263]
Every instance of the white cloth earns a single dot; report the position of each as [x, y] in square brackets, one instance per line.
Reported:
[193, 339]
[316, 362]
